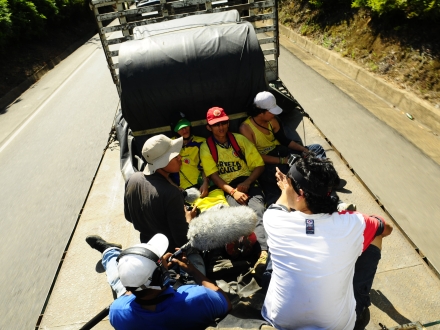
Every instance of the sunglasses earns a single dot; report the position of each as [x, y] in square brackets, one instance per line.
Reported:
[220, 123]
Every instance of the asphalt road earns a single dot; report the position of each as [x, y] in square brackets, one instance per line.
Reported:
[51, 142]
[405, 180]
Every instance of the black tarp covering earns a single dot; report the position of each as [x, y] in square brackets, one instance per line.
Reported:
[231, 16]
[190, 71]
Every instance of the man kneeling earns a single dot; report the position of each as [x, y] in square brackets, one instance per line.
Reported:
[323, 261]
[140, 278]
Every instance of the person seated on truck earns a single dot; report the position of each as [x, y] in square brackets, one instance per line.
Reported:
[152, 203]
[146, 295]
[234, 165]
[315, 250]
[265, 132]
[191, 173]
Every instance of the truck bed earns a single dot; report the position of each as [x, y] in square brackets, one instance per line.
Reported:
[81, 290]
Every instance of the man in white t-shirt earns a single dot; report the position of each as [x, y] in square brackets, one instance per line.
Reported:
[314, 253]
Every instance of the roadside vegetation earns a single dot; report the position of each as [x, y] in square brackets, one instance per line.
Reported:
[32, 32]
[398, 40]
[22, 20]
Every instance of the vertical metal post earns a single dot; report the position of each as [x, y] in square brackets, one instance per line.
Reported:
[277, 37]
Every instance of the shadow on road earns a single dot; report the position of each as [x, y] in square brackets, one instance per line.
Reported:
[380, 301]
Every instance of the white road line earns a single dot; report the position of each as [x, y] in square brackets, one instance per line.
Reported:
[13, 136]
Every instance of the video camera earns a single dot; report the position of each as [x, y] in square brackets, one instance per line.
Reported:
[292, 159]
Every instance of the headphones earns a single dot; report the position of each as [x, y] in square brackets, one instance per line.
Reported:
[160, 277]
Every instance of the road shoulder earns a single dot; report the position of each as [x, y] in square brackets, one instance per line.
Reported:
[385, 102]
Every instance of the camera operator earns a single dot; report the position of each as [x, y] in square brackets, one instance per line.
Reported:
[323, 261]
[139, 276]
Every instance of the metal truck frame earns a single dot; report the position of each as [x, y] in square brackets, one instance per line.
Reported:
[263, 14]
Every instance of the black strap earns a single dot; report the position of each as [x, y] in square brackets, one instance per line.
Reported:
[154, 301]
[268, 129]
[305, 185]
[140, 251]
[161, 298]
[279, 207]
[192, 184]
[381, 227]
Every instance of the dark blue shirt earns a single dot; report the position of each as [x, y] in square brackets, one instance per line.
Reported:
[190, 307]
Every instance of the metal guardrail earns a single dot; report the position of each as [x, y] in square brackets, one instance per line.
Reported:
[123, 18]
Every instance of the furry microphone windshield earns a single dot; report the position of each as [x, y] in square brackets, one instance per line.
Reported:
[215, 228]
[191, 195]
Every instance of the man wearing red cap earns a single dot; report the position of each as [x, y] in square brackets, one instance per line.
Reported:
[234, 171]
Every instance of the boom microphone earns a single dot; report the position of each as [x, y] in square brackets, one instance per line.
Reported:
[191, 195]
[218, 226]
[215, 228]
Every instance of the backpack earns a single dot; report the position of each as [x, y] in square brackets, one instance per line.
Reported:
[232, 140]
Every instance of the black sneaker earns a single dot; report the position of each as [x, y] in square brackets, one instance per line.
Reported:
[363, 320]
[96, 242]
[339, 184]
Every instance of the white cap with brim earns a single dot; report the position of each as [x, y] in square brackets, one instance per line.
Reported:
[159, 150]
[266, 101]
[135, 270]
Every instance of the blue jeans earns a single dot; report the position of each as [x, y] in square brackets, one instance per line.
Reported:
[111, 269]
[317, 149]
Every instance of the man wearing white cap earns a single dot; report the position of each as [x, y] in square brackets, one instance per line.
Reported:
[151, 202]
[145, 300]
[266, 133]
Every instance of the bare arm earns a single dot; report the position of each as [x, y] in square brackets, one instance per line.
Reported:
[239, 196]
[377, 241]
[274, 160]
[254, 175]
[287, 192]
[295, 146]
[249, 134]
[204, 188]
[219, 182]
[189, 215]
[388, 229]
[292, 144]
[199, 278]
